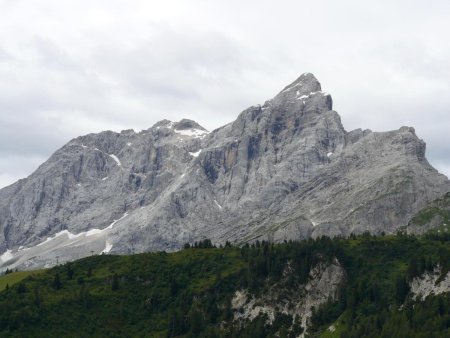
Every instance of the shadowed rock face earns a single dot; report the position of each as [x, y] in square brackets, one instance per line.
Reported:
[283, 170]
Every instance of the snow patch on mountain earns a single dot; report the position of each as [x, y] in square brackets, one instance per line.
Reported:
[116, 159]
[197, 133]
[117, 220]
[196, 153]
[47, 251]
[108, 247]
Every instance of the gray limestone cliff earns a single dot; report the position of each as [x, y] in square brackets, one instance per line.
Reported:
[286, 169]
[430, 283]
[298, 300]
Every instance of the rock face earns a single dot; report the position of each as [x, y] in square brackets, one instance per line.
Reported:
[299, 301]
[430, 283]
[283, 170]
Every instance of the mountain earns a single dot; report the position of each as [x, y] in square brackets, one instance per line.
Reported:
[283, 170]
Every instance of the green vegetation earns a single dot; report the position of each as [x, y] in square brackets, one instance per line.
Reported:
[438, 208]
[376, 300]
[426, 215]
[188, 293]
[12, 278]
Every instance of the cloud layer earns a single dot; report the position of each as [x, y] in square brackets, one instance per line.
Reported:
[68, 67]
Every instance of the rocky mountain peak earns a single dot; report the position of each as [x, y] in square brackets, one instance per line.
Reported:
[303, 97]
[307, 83]
[184, 127]
[162, 123]
[186, 124]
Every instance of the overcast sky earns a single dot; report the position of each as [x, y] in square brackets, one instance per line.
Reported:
[69, 68]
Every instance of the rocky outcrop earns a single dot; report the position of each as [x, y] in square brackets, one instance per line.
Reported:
[430, 283]
[299, 301]
[286, 169]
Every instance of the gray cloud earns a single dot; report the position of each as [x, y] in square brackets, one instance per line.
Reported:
[70, 68]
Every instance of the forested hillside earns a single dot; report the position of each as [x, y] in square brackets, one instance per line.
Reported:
[192, 293]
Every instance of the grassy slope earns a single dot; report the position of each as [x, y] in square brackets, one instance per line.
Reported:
[16, 277]
[439, 207]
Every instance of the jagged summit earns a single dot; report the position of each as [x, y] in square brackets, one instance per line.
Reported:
[304, 95]
[305, 84]
[182, 125]
[186, 124]
[162, 123]
[284, 170]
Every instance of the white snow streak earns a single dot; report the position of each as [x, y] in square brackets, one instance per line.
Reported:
[220, 207]
[116, 159]
[108, 247]
[303, 97]
[329, 154]
[61, 233]
[93, 232]
[197, 133]
[116, 220]
[196, 153]
[88, 233]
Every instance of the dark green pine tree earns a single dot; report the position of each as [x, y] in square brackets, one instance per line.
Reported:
[70, 271]
[401, 289]
[57, 284]
[115, 282]
[195, 321]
